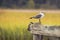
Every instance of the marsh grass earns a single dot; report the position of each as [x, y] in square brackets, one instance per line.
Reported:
[8, 34]
[13, 24]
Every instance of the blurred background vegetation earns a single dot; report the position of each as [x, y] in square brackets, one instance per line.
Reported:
[14, 23]
[30, 4]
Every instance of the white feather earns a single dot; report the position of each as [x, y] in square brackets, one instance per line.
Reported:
[41, 13]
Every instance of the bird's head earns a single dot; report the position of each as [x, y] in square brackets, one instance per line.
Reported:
[42, 13]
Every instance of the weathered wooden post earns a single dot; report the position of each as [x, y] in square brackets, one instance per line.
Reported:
[37, 37]
[33, 27]
[39, 31]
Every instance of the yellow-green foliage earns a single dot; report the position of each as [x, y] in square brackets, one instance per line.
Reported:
[16, 18]
[16, 22]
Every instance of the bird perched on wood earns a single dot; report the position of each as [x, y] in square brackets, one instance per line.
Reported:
[38, 16]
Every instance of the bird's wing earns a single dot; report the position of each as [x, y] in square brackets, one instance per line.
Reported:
[38, 16]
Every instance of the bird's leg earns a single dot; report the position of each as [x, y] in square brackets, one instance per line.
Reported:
[39, 21]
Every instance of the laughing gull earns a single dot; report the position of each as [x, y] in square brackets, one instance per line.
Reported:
[38, 16]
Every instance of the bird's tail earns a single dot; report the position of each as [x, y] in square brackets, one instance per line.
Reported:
[31, 17]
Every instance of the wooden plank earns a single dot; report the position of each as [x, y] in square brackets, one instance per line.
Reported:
[50, 32]
[53, 38]
[40, 37]
[37, 28]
